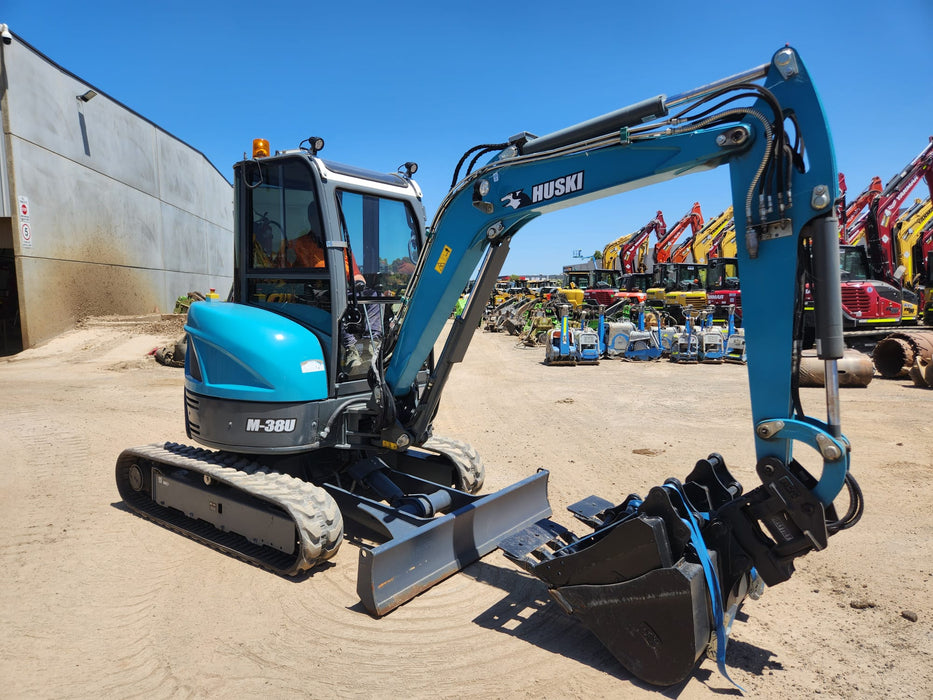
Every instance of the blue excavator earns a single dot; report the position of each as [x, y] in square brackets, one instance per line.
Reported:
[312, 391]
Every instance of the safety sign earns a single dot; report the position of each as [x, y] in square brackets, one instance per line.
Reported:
[25, 228]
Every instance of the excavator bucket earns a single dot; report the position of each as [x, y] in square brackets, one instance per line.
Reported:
[654, 586]
[649, 610]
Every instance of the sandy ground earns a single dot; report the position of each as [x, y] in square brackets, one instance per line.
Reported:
[100, 603]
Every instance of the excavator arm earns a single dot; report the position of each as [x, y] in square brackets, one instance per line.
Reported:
[692, 550]
[716, 240]
[724, 245]
[700, 243]
[620, 152]
[908, 234]
[611, 252]
[851, 227]
[693, 219]
[626, 248]
[636, 248]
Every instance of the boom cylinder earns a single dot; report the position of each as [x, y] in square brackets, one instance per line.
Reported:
[827, 304]
[638, 113]
[708, 89]
[827, 299]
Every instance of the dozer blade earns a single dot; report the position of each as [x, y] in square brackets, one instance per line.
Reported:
[423, 552]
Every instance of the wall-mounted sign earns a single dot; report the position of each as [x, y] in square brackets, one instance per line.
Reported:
[25, 228]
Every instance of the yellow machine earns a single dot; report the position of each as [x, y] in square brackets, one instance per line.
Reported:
[676, 286]
[699, 245]
[907, 234]
[611, 251]
[516, 290]
[727, 245]
[573, 295]
[689, 291]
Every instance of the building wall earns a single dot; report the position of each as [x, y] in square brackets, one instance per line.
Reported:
[123, 217]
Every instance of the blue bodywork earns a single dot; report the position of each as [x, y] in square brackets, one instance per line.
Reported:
[587, 346]
[245, 353]
[643, 344]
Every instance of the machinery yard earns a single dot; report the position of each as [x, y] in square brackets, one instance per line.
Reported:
[298, 512]
[101, 603]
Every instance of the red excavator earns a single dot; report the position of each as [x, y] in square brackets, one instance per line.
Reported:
[873, 295]
[693, 219]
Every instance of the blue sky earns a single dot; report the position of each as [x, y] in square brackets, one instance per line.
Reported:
[384, 83]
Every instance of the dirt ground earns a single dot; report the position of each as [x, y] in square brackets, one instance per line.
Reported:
[100, 603]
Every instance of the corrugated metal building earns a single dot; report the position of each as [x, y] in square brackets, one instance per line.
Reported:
[101, 211]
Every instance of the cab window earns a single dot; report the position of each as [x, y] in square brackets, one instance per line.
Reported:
[384, 239]
[286, 267]
[285, 227]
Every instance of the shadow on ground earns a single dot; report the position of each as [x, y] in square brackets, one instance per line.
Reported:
[528, 613]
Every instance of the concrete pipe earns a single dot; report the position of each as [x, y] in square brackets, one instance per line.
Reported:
[854, 370]
[922, 373]
[897, 353]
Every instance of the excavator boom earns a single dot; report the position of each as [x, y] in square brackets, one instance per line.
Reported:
[851, 225]
[693, 219]
[533, 176]
[884, 210]
[700, 243]
[875, 295]
[908, 235]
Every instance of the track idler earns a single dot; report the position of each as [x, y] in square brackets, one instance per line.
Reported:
[660, 579]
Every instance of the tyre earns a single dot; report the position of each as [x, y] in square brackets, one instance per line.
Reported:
[470, 470]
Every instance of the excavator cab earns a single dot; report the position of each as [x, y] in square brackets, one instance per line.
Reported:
[332, 252]
[329, 250]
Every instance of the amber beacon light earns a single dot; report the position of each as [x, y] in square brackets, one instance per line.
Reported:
[260, 148]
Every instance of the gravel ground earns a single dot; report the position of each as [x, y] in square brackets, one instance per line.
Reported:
[100, 603]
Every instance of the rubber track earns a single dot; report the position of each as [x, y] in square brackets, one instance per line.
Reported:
[317, 518]
[467, 461]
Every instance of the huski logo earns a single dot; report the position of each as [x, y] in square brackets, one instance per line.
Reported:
[544, 191]
[516, 199]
